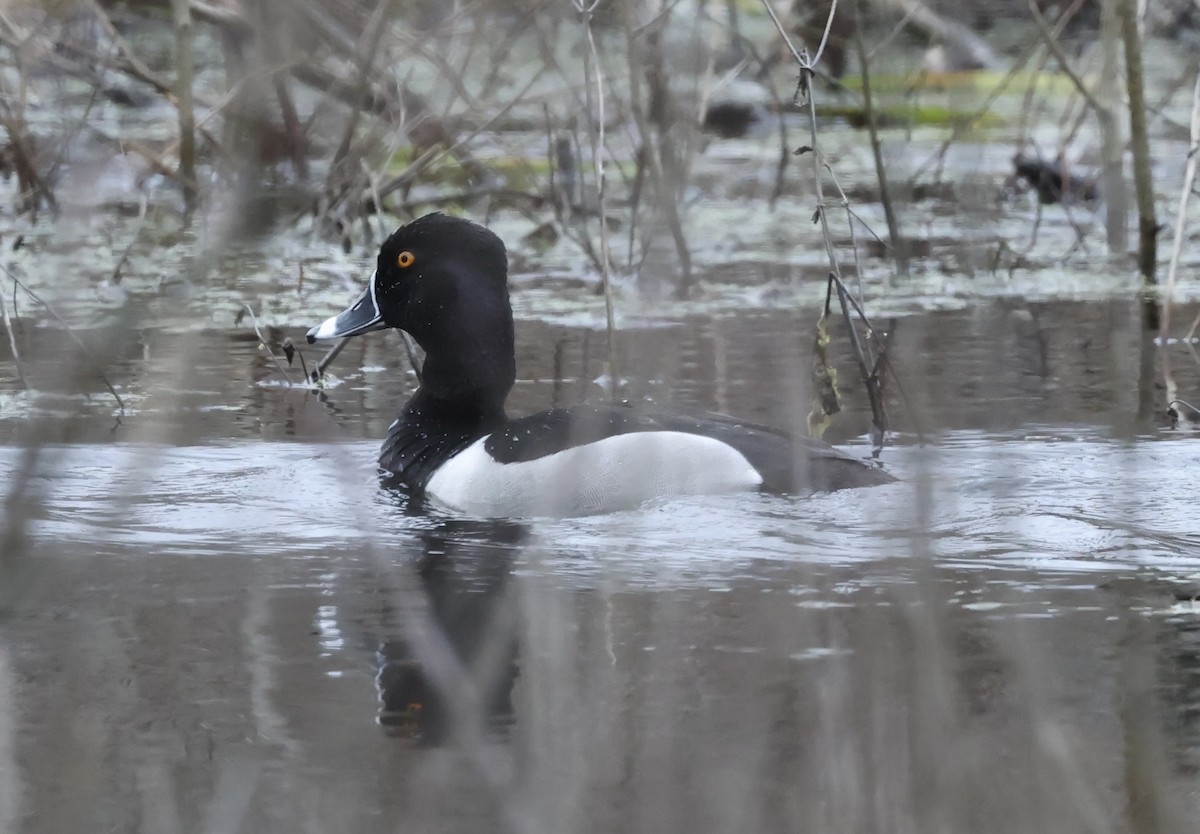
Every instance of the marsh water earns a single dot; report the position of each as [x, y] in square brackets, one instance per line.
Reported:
[221, 622]
[214, 619]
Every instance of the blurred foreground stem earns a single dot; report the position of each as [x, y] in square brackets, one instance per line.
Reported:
[899, 244]
[185, 70]
[1142, 182]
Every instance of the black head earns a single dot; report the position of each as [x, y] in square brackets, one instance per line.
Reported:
[444, 280]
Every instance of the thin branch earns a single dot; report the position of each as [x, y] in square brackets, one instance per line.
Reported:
[783, 34]
[866, 364]
[825, 35]
[1143, 181]
[12, 341]
[434, 155]
[597, 130]
[1022, 59]
[266, 345]
[899, 245]
[1064, 63]
[1185, 193]
[183, 89]
[329, 357]
[870, 378]
[70, 333]
[368, 46]
[1191, 334]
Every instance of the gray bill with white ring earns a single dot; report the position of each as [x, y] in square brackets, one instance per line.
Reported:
[362, 316]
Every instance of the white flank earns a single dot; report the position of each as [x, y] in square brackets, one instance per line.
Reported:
[615, 473]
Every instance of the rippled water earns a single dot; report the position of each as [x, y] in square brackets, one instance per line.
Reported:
[217, 614]
[991, 501]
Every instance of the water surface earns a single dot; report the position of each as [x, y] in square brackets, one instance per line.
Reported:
[219, 620]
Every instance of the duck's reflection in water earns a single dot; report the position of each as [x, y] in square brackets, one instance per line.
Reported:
[469, 628]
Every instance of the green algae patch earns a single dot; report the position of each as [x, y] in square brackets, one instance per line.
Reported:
[983, 82]
[905, 115]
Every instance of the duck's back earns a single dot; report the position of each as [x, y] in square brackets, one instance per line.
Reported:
[784, 463]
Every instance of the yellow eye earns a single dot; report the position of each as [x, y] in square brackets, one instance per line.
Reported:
[405, 259]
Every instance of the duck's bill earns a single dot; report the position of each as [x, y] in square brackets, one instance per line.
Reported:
[362, 316]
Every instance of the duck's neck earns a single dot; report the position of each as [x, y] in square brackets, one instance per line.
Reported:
[464, 390]
[470, 364]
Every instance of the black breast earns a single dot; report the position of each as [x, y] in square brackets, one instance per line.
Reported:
[426, 435]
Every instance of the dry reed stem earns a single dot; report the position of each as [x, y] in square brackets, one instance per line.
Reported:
[1170, 386]
[596, 131]
[899, 245]
[12, 341]
[1191, 334]
[656, 160]
[1185, 193]
[185, 72]
[1112, 145]
[1139, 140]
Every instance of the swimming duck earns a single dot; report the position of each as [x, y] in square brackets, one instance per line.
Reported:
[444, 281]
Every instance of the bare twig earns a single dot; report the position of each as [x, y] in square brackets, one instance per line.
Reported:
[266, 345]
[899, 246]
[183, 89]
[870, 378]
[433, 155]
[1185, 193]
[596, 128]
[132, 66]
[1112, 144]
[941, 29]
[866, 363]
[76, 62]
[72, 132]
[801, 60]
[12, 341]
[329, 357]
[1142, 176]
[1191, 334]
[1064, 63]
[652, 109]
[391, 98]
[368, 46]
[71, 334]
[999, 90]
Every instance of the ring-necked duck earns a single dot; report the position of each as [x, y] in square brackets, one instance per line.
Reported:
[444, 280]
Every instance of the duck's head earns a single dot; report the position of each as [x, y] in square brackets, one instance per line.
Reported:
[444, 280]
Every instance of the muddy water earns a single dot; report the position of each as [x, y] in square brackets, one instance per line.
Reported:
[217, 621]
[212, 619]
